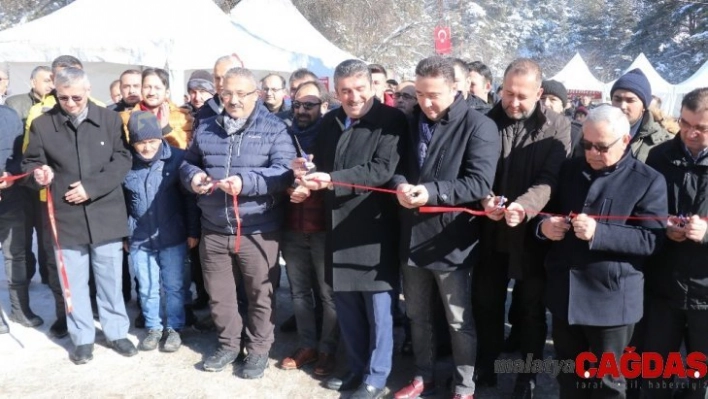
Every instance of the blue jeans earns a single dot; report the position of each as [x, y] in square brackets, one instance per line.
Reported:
[156, 271]
[304, 255]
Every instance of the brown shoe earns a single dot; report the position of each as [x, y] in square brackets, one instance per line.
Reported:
[325, 364]
[302, 357]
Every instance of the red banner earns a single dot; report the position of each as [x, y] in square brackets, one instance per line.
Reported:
[443, 40]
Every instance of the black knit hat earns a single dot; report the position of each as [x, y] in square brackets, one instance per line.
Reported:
[555, 88]
[636, 82]
[143, 126]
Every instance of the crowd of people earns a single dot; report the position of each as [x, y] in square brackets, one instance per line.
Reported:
[437, 190]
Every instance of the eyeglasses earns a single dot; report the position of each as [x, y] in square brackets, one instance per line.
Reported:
[689, 128]
[241, 96]
[65, 99]
[405, 96]
[273, 89]
[307, 105]
[587, 146]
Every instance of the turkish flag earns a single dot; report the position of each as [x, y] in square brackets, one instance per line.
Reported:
[443, 40]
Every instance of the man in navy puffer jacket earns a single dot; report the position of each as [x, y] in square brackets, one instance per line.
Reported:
[244, 152]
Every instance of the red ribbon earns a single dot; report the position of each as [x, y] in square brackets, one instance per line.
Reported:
[11, 178]
[60, 258]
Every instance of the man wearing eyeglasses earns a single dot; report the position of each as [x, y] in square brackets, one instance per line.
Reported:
[243, 152]
[616, 209]
[77, 149]
[632, 94]
[273, 93]
[405, 98]
[303, 246]
[676, 287]
[535, 142]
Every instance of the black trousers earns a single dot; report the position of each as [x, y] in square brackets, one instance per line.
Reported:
[571, 340]
[489, 290]
[668, 327]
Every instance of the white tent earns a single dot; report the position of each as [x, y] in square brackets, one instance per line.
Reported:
[577, 76]
[279, 23]
[157, 33]
[698, 79]
[659, 86]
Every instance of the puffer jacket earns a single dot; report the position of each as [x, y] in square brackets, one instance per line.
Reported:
[260, 153]
[679, 273]
[178, 131]
[161, 214]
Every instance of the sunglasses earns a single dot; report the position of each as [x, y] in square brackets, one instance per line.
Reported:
[65, 99]
[307, 105]
[405, 96]
[587, 146]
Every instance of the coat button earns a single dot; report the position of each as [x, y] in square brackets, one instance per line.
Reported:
[443, 197]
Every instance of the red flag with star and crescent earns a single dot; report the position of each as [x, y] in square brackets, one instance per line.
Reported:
[443, 40]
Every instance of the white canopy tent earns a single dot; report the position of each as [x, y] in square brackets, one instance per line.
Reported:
[698, 79]
[659, 86]
[577, 76]
[287, 28]
[159, 36]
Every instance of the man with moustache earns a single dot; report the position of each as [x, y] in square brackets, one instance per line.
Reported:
[131, 82]
[303, 245]
[632, 94]
[358, 145]
[244, 152]
[535, 142]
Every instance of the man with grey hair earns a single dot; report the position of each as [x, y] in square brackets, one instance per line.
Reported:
[213, 106]
[535, 142]
[358, 145]
[238, 164]
[77, 150]
[617, 208]
[449, 160]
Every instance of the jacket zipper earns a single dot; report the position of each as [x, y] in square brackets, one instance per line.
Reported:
[226, 196]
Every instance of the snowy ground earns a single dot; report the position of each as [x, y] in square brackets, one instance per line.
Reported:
[38, 366]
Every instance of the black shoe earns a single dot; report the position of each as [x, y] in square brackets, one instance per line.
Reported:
[512, 343]
[201, 302]
[366, 391]
[139, 321]
[289, 325]
[124, 347]
[253, 366]
[151, 340]
[82, 354]
[172, 341]
[524, 387]
[59, 329]
[350, 381]
[27, 319]
[220, 359]
[484, 377]
[4, 329]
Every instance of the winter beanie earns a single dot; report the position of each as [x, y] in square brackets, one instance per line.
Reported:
[555, 88]
[636, 82]
[143, 126]
[201, 80]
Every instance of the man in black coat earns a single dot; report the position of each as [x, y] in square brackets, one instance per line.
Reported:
[535, 142]
[677, 281]
[449, 159]
[77, 150]
[358, 145]
[595, 283]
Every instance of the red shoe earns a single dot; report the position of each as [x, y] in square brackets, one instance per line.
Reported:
[415, 389]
